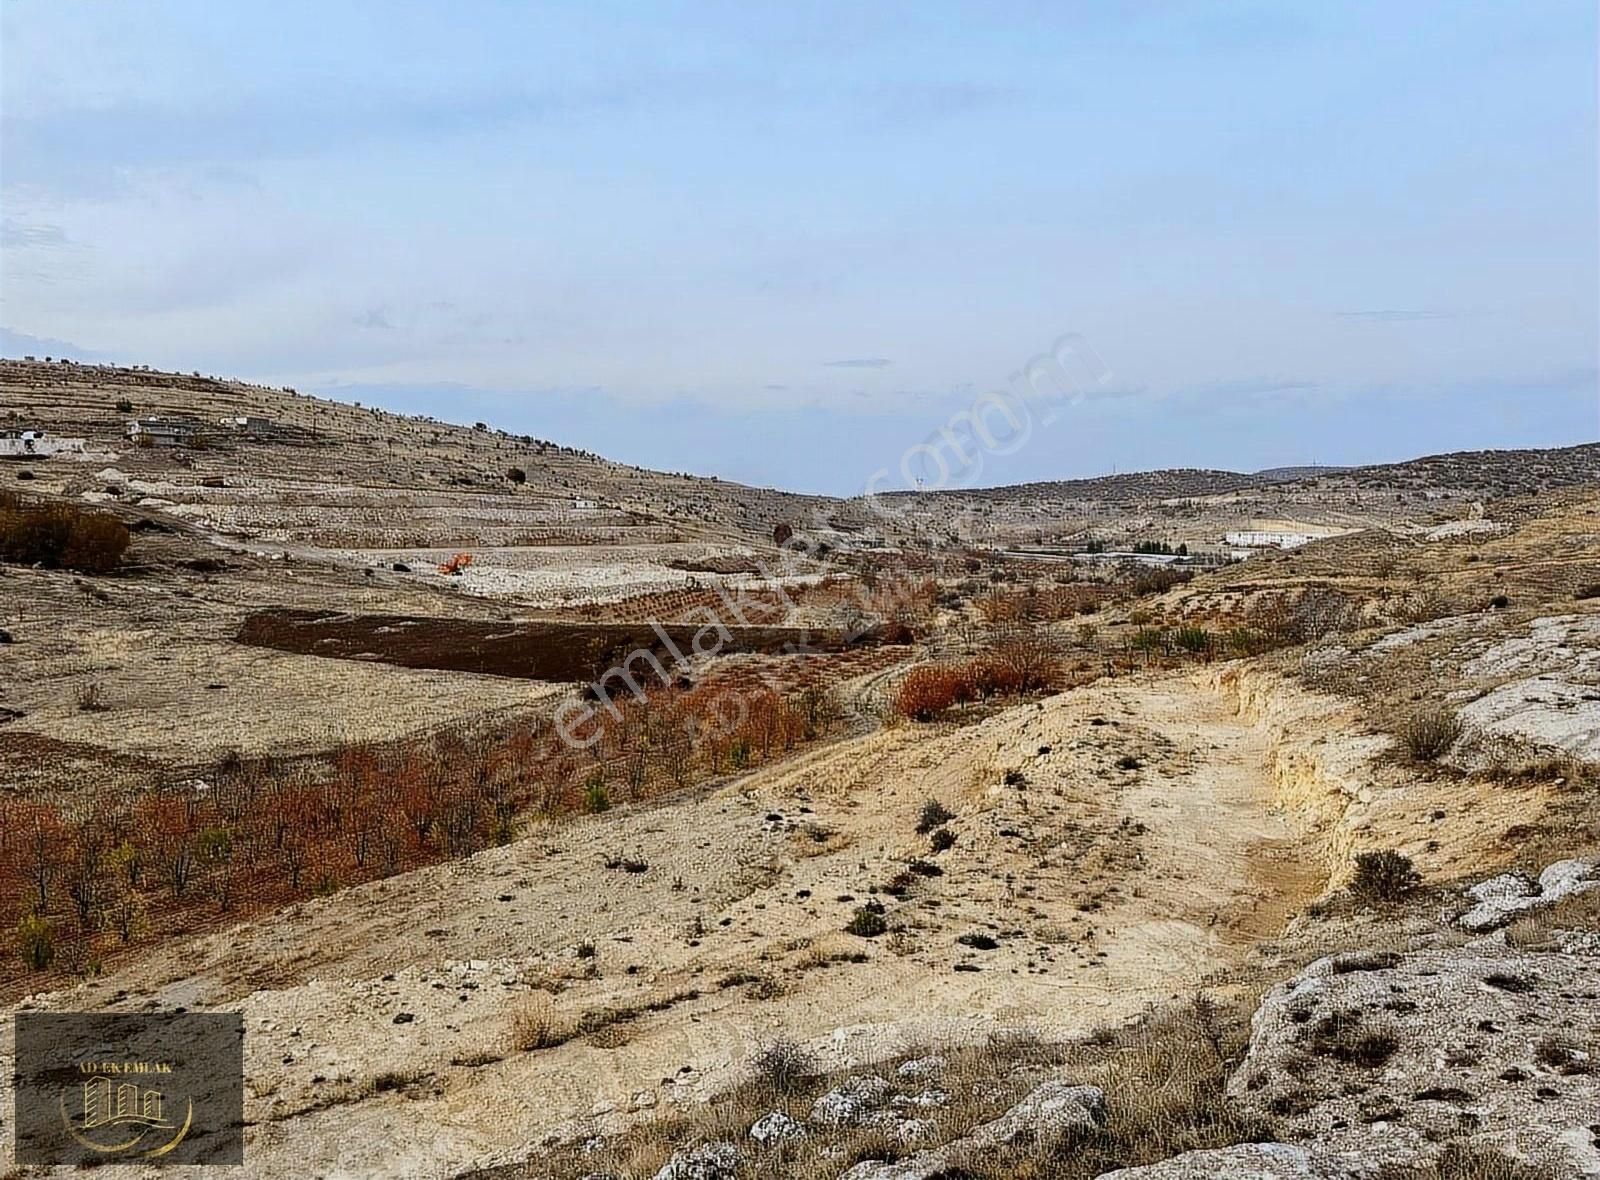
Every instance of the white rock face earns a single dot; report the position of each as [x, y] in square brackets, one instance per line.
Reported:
[849, 1104]
[921, 1067]
[1568, 643]
[776, 1127]
[1545, 711]
[1500, 899]
[1389, 1057]
[1053, 1108]
[713, 1161]
[1252, 1161]
[1505, 887]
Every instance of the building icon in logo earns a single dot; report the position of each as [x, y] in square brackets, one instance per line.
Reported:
[119, 1087]
[107, 1103]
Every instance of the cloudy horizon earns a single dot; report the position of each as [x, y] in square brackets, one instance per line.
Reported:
[781, 246]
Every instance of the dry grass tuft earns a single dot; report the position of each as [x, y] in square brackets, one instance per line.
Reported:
[1384, 878]
[1428, 733]
[1538, 929]
[534, 1024]
[1460, 1162]
[1163, 1077]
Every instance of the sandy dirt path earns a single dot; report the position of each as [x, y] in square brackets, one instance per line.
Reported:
[1115, 843]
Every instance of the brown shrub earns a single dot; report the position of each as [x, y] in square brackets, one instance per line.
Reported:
[1428, 733]
[1385, 877]
[1577, 911]
[534, 1024]
[929, 690]
[59, 536]
[1013, 669]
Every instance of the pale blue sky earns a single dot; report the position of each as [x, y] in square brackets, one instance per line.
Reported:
[782, 243]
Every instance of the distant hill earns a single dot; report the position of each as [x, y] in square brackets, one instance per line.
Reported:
[1487, 473]
[1290, 474]
[373, 473]
[1128, 487]
[350, 457]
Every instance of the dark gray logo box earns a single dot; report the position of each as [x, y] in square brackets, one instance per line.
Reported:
[148, 1088]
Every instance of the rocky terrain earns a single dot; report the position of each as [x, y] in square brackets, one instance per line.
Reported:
[1278, 868]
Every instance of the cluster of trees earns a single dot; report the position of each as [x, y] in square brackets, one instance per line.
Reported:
[1015, 668]
[123, 862]
[1042, 604]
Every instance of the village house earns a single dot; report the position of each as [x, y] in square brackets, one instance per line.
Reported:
[247, 424]
[1256, 539]
[160, 432]
[37, 444]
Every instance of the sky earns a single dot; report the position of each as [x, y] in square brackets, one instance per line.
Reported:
[785, 243]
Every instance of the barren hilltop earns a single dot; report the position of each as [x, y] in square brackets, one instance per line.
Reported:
[549, 817]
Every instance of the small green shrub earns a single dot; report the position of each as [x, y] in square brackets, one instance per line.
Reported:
[867, 922]
[1384, 877]
[36, 942]
[933, 815]
[595, 796]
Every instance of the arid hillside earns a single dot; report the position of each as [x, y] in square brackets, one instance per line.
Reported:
[923, 858]
[301, 469]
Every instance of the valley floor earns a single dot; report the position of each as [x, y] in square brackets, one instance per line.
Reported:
[1114, 846]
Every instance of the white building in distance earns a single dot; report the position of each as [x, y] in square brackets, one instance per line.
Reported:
[1251, 539]
[36, 444]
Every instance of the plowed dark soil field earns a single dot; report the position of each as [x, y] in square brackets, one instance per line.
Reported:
[542, 650]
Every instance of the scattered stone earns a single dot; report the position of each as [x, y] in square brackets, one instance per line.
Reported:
[849, 1104]
[925, 1165]
[921, 1067]
[1251, 1161]
[1049, 1112]
[712, 1161]
[776, 1127]
[1502, 898]
[911, 1130]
